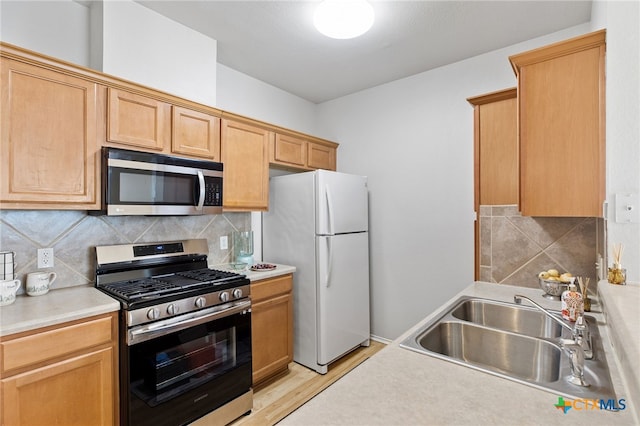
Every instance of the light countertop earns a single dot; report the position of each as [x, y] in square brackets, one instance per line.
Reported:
[56, 307]
[401, 387]
[259, 275]
[72, 303]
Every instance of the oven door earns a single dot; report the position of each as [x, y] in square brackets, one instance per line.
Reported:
[180, 375]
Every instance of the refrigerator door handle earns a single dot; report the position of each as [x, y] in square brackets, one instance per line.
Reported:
[329, 262]
[329, 209]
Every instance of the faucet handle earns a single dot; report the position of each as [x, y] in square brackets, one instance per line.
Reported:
[582, 336]
[581, 328]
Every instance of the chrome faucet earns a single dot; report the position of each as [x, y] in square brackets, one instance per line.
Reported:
[578, 348]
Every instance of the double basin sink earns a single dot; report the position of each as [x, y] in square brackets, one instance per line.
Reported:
[516, 342]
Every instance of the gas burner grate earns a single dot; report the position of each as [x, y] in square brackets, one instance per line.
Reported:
[134, 289]
[211, 275]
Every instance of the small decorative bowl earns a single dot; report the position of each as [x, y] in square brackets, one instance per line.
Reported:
[239, 266]
[552, 289]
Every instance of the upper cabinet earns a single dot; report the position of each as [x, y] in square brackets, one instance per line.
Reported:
[50, 138]
[138, 121]
[495, 148]
[321, 156]
[297, 153]
[495, 154]
[150, 124]
[195, 134]
[56, 116]
[245, 154]
[561, 116]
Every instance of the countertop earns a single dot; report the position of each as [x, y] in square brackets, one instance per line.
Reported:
[72, 303]
[56, 307]
[401, 387]
[259, 275]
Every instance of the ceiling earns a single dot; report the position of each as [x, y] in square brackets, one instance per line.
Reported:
[275, 41]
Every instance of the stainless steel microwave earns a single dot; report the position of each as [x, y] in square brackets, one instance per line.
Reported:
[142, 183]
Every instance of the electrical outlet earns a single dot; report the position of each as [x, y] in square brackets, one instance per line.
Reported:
[224, 243]
[45, 258]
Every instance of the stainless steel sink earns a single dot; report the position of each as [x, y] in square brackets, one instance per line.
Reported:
[508, 317]
[513, 342]
[507, 353]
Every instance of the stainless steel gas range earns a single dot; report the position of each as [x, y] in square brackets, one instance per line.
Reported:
[185, 333]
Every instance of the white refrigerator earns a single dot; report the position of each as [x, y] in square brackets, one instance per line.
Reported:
[318, 222]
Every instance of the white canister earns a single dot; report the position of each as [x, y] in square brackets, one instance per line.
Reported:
[39, 283]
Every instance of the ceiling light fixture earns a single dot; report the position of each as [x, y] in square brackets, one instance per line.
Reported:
[343, 19]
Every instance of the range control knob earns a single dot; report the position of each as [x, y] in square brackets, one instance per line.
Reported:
[200, 302]
[237, 293]
[172, 309]
[153, 313]
[224, 296]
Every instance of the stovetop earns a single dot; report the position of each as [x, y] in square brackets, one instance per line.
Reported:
[143, 275]
[177, 283]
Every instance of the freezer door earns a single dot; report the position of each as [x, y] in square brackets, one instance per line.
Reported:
[342, 203]
[343, 294]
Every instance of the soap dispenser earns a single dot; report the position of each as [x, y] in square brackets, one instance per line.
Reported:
[572, 303]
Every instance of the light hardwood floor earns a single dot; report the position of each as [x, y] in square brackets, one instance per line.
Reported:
[279, 397]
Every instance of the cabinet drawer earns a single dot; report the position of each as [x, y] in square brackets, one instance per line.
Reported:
[265, 289]
[51, 344]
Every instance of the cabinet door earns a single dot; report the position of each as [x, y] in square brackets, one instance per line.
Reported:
[289, 151]
[138, 121]
[321, 156]
[76, 391]
[495, 154]
[271, 326]
[195, 133]
[561, 122]
[49, 139]
[498, 153]
[244, 150]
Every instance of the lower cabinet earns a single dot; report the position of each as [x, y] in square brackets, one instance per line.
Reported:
[62, 375]
[271, 326]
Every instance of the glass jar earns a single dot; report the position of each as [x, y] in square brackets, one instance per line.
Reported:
[617, 275]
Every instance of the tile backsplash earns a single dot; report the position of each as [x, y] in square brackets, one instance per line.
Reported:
[515, 248]
[74, 234]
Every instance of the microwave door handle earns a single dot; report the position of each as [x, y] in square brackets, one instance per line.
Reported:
[202, 189]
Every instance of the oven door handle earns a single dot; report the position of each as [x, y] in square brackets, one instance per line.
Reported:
[162, 328]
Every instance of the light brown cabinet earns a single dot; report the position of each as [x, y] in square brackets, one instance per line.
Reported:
[138, 121]
[245, 154]
[495, 154]
[495, 148]
[62, 375]
[271, 326]
[56, 116]
[561, 120]
[195, 134]
[288, 151]
[49, 139]
[145, 123]
[321, 156]
[295, 153]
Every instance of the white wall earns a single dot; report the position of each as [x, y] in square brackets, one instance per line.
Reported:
[59, 29]
[245, 95]
[622, 20]
[145, 47]
[413, 138]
